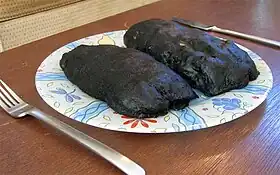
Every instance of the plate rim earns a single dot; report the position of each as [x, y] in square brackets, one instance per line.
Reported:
[265, 95]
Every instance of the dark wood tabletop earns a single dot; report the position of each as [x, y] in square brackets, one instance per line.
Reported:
[248, 145]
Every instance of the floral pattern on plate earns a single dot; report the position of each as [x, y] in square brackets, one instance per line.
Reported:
[66, 98]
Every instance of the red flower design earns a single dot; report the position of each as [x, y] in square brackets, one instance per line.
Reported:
[134, 122]
[255, 97]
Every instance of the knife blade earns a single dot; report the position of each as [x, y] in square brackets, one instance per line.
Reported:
[193, 24]
[214, 28]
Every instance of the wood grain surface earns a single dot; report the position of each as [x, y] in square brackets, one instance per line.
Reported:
[249, 145]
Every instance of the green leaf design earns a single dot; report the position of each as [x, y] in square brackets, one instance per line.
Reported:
[166, 118]
[238, 95]
[50, 84]
[245, 104]
[64, 85]
[107, 118]
[223, 120]
[159, 130]
[85, 96]
[175, 127]
[57, 69]
[56, 104]
[47, 96]
[104, 125]
[68, 110]
[78, 103]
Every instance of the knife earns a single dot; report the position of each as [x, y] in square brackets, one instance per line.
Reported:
[213, 28]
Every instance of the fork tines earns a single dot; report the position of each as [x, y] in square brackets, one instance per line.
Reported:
[7, 96]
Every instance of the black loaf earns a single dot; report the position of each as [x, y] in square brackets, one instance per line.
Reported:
[131, 82]
[209, 64]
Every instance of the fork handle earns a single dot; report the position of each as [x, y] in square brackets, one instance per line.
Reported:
[246, 36]
[123, 163]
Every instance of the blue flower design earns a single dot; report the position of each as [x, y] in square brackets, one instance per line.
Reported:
[189, 119]
[227, 103]
[72, 45]
[69, 97]
[50, 76]
[253, 89]
[92, 110]
[109, 33]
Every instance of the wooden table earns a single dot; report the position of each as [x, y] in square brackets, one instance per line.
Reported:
[249, 145]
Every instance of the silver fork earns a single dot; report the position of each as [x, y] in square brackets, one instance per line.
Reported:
[17, 108]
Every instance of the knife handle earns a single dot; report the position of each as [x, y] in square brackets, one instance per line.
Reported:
[246, 36]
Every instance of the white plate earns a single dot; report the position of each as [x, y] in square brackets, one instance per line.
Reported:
[204, 112]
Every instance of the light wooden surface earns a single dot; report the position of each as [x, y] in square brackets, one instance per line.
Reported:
[247, 146]
[10, 9]
[30, 28]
